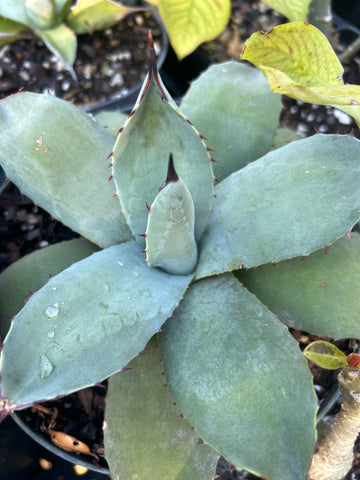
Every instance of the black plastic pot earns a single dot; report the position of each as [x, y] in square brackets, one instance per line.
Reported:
[45, 442]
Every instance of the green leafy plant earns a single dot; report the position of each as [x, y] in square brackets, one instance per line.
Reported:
[197, 365]
[57, 22]
[298, 61]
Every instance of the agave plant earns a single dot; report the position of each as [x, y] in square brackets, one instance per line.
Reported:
[197, 365]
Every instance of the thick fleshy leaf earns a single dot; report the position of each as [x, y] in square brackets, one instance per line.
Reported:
[60, 164]
[289, 203]
[192, 22]
[40, 13]
[295, 11]
[319, 294]
[98, 314]
[61, 40]
[240, 378]
[31, 272]
[231, 104]
[111, 120]
[145, 430]
[283, 136]
[170, 238]
[325, 355]
[11, 31]
[298, 61]
[87, 16]
[154, 130]
[14, 10]
[61, 8]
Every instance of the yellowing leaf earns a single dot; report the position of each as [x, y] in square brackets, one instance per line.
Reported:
[298, 61]
[298, 49]
[325, 355]
[296, 10]
[192, 22]
[89, 15]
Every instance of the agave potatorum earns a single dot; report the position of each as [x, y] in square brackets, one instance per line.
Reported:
[232, 369]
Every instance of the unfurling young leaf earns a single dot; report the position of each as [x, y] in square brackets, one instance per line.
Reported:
[170, 238]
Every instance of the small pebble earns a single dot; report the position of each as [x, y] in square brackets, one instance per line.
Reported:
[65, 85]
[310, 117]
[342, 117]
[24, 75]
[302, 129]
[117, 80]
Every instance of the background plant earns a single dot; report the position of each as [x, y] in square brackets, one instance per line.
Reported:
[57, 22]
[224, 368]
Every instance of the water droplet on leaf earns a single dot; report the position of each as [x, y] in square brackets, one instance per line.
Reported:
[46, 367]
[51, 333]
[106, 287]
[51, 311]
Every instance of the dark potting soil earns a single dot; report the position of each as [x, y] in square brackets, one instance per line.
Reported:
[104, 71]
[108, 63]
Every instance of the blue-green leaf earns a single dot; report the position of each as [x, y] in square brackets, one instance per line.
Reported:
[93, 317]
[145, 430]
[289, 203]
[240, 378]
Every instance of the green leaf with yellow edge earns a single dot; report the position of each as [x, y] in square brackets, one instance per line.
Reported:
[325, 355]
[192, 22]
[90, 15]
[11, 31]
[298, 61]
[146, 431]
[40, 13]
[61, 40]
[295, 11]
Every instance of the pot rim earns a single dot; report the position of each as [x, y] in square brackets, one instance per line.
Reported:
[75, 458]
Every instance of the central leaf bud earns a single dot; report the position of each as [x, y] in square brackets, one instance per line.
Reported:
[170, 237]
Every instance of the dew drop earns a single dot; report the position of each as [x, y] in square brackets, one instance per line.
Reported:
[51, 311]
[135, 274]
[106, 287]
[53, 288]
[46, 367]
[51, 334]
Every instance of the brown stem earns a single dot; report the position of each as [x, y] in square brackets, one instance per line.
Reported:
[335, 455]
